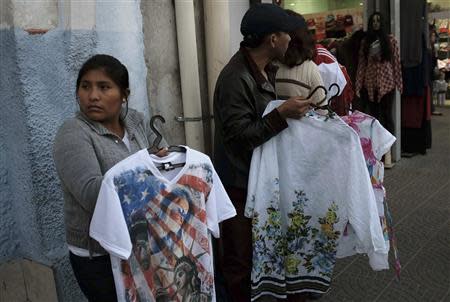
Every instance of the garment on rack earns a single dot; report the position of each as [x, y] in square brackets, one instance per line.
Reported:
[305, 184]
[379, 77]
[375, 142]
[329, 68]
[157, 226]
[413, 23]
[333, 72]
[416, 123]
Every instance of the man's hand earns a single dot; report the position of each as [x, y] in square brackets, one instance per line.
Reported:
[295, 107]
[162, 152]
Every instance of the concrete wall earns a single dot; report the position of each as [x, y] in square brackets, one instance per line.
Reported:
[119, 33]
[161, 59]
[42, 14]
[11, 156]
[37, 89]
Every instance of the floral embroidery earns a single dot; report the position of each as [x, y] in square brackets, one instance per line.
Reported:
[301, 246]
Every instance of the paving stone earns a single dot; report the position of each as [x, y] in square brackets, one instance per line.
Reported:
[418, 191]
[26, 281]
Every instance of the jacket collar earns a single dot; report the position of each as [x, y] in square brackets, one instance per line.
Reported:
[270, 69]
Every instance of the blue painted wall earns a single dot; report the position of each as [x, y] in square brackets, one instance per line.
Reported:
[37, 93]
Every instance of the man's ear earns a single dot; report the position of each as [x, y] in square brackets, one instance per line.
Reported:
[273, 39]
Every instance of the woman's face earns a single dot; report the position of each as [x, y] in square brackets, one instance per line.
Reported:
[376, 23]
[432, 38]
[100, 98]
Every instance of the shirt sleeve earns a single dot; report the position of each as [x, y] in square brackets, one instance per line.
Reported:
[396, 65]
[315, 80]
[361, 69]
[108, 225]
[382, 140]
[363, 213]
[218, 206]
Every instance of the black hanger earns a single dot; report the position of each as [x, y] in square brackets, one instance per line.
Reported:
[337, 93]
[314, 91]
[328, 105]
[167, 166]
[155, 146]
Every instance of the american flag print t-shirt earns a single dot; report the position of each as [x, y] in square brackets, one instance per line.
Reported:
[156, 226]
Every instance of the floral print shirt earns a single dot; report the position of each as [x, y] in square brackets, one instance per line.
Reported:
[305, 184]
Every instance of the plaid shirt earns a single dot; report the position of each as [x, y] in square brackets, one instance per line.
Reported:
[379, 76]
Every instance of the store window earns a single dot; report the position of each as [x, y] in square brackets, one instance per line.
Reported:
[329, 18]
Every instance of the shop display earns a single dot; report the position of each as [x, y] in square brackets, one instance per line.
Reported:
[443, 45]
[334, 24]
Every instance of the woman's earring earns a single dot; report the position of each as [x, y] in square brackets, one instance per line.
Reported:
[124, 100]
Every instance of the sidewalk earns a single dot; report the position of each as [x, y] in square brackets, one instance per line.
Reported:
[418, 192]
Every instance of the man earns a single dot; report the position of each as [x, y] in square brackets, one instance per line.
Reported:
[244, 88]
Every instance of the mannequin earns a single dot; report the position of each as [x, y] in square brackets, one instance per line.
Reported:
[379, 72]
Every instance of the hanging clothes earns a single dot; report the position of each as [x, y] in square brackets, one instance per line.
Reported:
[156, 226]
[379, 77]
[413, 22]
[416, 123]
[375, 142]
[333, 72]
[416, 105]
[305, 184]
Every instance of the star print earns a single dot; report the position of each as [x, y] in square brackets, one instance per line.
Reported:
[144, 194]
[126, 199]
[141, 177]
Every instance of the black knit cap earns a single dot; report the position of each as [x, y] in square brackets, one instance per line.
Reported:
[263, 19]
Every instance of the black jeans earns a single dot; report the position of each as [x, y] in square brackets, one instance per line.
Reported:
[95, 277]
[236, 249]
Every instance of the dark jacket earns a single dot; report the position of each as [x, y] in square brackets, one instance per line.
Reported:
[240, 98]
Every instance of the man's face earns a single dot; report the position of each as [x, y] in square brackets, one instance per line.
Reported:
[376, 23]
[280, 43]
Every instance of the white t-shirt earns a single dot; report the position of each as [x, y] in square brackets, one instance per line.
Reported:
[304, 185]
[159, 225]
[331, 73]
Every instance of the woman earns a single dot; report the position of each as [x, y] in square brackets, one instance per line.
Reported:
[102, 133]
[379, 72]
[298, 74]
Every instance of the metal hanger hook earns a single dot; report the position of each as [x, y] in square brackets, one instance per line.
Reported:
[158, 138]
[338, 89]
[314, 91]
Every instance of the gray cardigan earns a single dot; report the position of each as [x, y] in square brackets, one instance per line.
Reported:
[83, 151]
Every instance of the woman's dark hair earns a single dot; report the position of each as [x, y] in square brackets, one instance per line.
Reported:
[301, 47]
[111, 66]
[372, 36]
